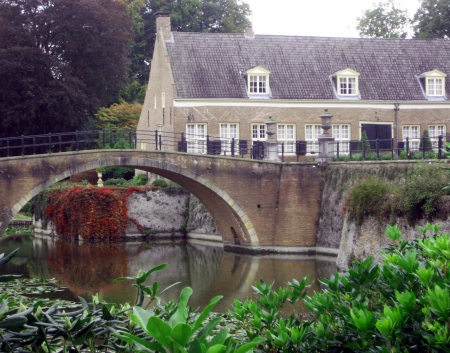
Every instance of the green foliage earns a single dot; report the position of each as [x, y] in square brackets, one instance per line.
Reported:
[384, 21]
[364, 143]
[418, 197]
[161, 183]
[425, 142]
[367, 198]
[422, 191]
[121, 115]
[432, 19]
[116, 172]
[387, 156]
[74, 63]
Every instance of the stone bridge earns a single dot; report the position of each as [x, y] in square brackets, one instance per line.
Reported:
[258, 205]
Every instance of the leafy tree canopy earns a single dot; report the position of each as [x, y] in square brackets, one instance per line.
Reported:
[225, 16]
[119, 116]
[432, 19]
[384, 21]
[60, 61]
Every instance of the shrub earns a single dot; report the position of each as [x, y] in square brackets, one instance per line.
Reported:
[387, 156]
[139, 180]
[422, 191]
[161, 183]
[366, 199]
[357, 157]
[371, 156]
[364, 142]
[115, 182]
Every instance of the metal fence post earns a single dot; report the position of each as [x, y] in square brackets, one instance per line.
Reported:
[407, 148]
[337, 150]
[76, 139]
[440, 146]
[23, 145]
[232, 147]
[34, 145]
[282, 151]
[364, 150]
[377, 147]
[59, 140]
[50, 142]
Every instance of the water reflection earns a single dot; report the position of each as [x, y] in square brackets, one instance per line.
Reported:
[89, 268]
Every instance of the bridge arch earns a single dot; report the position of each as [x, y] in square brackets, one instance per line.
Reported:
[233, 222]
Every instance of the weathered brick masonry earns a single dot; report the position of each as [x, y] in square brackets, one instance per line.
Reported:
[256, 204]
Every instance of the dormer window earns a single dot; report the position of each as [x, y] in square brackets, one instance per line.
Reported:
[433, 84]
[258, 82]
[345, 84]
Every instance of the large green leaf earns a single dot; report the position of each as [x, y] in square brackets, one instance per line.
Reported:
[249, 346]
[141, 279]
[181, 333]
[205, 312]
[132, 339]
[160, 331]
[180, 315]
[219, 338]
[218, 348]
[141, 317]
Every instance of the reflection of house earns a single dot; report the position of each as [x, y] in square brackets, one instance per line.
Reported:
[227, 85]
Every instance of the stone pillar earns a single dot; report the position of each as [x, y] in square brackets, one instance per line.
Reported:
[326, 140]
[271, 145]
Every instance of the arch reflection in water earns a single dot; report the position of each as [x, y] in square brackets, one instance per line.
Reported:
[90, 268]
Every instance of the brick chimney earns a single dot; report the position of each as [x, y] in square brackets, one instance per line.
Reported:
[163, 24]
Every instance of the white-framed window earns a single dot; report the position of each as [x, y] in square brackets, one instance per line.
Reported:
[341, 134]
[435, 87]
[433, 83]
[258, 81]
[196, 138]
[257, 84]
[434, 131]
[286, 136]
[154, 101]
[312, 133]
[347, 86]
[228, 132]
[346, 83]
[412, 132]
[259, 132]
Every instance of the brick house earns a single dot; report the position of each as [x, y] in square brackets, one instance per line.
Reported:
[226, 85]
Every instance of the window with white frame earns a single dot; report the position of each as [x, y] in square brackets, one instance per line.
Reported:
[312, 133]
[434, 132]
[433, 84]
[154, 101]
[347, 86]
[228, 132]
[286, 138]
[196, 138]
[258, 81]
[259, 132]
[341, 134]
[412, 132]
[346, 83]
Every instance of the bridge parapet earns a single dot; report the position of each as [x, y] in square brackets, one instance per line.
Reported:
[258, 205]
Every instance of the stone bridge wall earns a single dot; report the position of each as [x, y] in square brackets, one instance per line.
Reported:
[258, 205]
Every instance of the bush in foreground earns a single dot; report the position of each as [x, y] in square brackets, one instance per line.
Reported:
[401, 304]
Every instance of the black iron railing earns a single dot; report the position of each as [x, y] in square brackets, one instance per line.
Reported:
[409, 148]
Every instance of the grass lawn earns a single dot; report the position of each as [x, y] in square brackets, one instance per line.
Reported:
[21, 217]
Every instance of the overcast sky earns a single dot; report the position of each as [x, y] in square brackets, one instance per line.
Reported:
[324, 18]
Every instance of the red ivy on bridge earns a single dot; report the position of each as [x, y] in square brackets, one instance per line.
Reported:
[91, 213]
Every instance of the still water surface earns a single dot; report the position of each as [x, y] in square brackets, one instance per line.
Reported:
[89, 268]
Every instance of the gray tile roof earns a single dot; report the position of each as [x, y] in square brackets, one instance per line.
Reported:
[210, 65]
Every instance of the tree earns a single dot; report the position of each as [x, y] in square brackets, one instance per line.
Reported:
[224, 16]
[432, 19]
[425, 142]
[364, 144]
[119, 116]
[384, 21]
[60, 61]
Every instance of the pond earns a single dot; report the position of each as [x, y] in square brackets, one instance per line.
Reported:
[89, 268]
